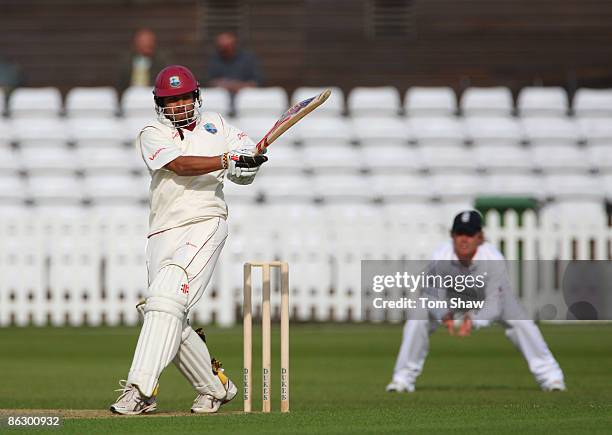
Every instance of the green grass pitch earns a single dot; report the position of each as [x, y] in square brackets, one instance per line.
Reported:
[479, 384]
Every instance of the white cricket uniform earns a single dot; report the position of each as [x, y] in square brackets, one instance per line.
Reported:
[187, 230]
[501, 306]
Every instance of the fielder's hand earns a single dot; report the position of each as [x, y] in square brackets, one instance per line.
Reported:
[466, 327]
[242, 165]
[449, 322]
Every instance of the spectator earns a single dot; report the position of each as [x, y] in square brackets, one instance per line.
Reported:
[10, 75]
[142, 64]
[231, 67]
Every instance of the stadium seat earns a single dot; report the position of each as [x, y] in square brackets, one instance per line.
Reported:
[109, 160]
[10, 161]
[448, 158]
[485, 102]
[343, 188]
[430, 101]
[290, 188]
[31, 103]
[551, 131]
[593, 103]
[514, 185]
[542, 101]
[494, 131]
[600, 158]
[47, 133]
[92, 102]
[332, 159]
[261, 102]
[216, 100]
[55, 190]
[49, 161]
[96, 132]
[389, 158]
[323, 132]
[115, 189]
[137, 102]
[235, 193]
[379, 132]
[256, 127]
[333, 107]
[284, 159]
[402, 187]
[574, 187]
[462, 188]
[596, 131]
[561, 159]
[505, 159]
[437, 131]
[12, 190]
[374, 102]
[131, 128]
[6, 133]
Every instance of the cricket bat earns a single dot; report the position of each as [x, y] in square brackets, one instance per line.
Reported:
[290, 118]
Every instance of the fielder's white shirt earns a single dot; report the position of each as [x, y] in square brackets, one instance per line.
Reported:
[179, 200]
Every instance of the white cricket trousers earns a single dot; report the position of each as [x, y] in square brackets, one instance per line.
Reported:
[524, 334]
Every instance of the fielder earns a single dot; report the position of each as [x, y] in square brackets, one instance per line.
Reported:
[187, 154]
[464, 253]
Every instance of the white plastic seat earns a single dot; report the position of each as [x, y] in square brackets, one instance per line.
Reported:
[333, 107]
[35, 103]
[116, 189]
[59, 189]
[235, 193]
[494, 131]
[606, 182]
[437, 131]
[82, 102]
[551, 131]
[381, 131]
[216, 100]
[593, 103]
[527, 185]
[503, 158]
[6, 133]
[10, 162]
[137, 102]
[323, 132]
[389, 158]
[401, 187]
[485, 102]
[383, 101]
[574, 187]
[283, 159]
[561, 159]
[332, 159]
[12, 189]
[430, 101]
[290, 188]
[447, 159]
[596, 131]
[131, 127]
[456, 187]
[542, 101]
[343, 188]
[97, 132]
[47, 133]
[271, 101]
[109, 160]
[49, 161]
[600, 158]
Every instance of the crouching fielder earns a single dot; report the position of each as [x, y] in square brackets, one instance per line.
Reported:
[463, 256]
[187, 154]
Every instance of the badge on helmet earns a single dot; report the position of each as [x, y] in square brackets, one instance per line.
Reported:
[175, 81]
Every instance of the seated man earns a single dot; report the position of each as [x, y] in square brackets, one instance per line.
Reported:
[468, 254]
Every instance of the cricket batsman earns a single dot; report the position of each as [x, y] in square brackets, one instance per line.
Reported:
[188, 155]
[464, 254]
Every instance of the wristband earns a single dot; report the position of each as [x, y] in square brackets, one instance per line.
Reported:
[224, 161]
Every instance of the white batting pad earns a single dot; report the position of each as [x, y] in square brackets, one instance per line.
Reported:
[193, 361]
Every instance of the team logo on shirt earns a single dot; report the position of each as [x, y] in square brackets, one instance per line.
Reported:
[175, 81]
[210, 127]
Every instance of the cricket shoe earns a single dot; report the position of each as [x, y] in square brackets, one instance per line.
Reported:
[131, 402]
[206, 403]
[399, 387]
[557, 385]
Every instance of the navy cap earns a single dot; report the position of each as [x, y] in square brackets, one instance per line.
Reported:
[467, 222]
